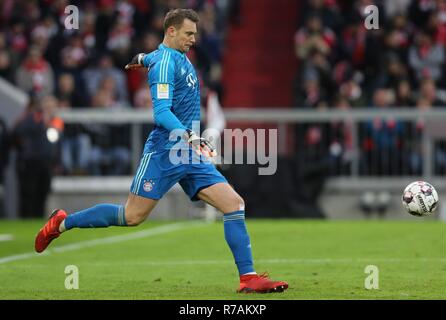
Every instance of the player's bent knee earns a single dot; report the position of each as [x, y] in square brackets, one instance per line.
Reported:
[134, 218]
[240, 203]
[133, 221]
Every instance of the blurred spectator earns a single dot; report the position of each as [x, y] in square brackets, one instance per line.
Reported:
[319, 67]
[396, 7]
[314, 36]
[142, 98]
[17, 39]
[105, 68]
[158, 24]
[42, 32]
[66, 91]
[125, 10]
[4, 155]
[119, 41]
[143, 15]
[87, 32]
[428, 93]
[437, 28]
[8, 63]
[414, 145]
[106, 16]
[209, 48]
[110, 154]
[137, 77]
[150, 42]
[352, 44]
[31, 11]
[313, 166]
[108, 85]
[419, 11]
[311, 95]
[398, 38]
[74, 54]
[352, 92]
[404, 95]
[340, 137]
[393, 73]
[36, 137]
[426, 58]
[375, 53]
[382, 146]
[35, 74]
[327, 10]
[76, 144]
[4, 148]
[6, 70]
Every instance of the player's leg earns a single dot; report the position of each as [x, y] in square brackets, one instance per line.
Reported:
[223, 197]
[204, 182]
[137, 208]
[133, 213]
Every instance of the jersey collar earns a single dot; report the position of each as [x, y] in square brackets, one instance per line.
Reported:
[164, 47]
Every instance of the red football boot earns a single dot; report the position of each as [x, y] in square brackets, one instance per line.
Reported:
[50, 230]
[260, 283]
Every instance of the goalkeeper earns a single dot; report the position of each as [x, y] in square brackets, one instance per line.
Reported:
[176, 103]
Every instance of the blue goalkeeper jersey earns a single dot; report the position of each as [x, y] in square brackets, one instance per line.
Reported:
[175, 91]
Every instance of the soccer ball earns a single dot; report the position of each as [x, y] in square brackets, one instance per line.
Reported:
[420, 198]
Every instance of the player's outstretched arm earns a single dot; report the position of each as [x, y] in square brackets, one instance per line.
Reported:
[137, 62]
[200, 145]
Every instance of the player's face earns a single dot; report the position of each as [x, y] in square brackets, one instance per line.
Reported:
[185, 36]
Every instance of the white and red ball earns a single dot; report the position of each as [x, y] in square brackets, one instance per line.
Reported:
[420, 198]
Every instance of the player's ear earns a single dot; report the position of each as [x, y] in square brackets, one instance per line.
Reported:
[171, 31]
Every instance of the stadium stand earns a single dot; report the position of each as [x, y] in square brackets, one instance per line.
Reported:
[344, 65]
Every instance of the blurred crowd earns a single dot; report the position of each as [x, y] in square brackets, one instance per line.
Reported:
[343, 65]
[84, 68]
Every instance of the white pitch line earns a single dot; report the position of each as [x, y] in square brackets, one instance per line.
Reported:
[107, 240]
[280, 261]
[316, 261]
[21, 256]
[6, 237]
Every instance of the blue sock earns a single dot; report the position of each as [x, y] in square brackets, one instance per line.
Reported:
[99, 216]
[237, 238]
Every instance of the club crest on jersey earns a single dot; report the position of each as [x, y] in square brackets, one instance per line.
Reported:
[148, 185]
[162, 90]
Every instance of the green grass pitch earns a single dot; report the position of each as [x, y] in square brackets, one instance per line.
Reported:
[190, 260]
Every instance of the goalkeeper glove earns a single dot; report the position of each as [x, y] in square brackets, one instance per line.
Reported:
[200, 145]
[137, 62]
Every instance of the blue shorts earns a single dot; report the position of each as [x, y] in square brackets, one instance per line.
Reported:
[156, 175]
